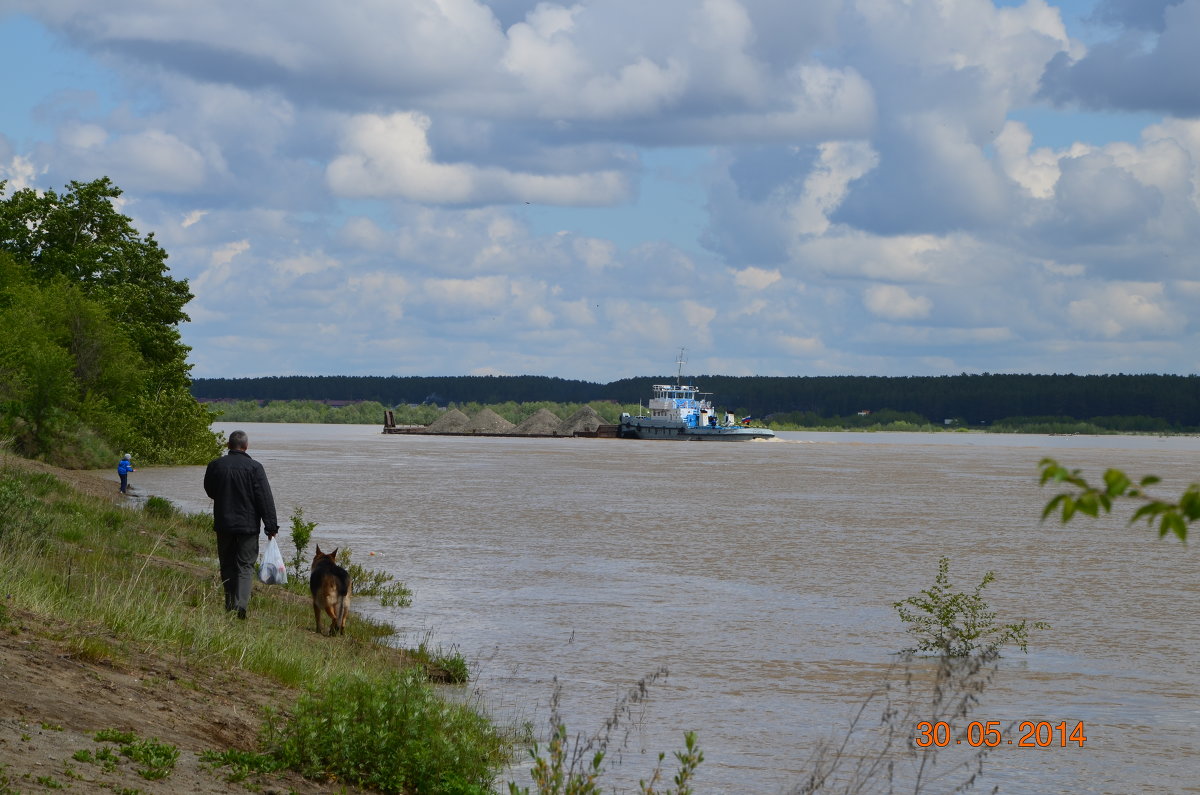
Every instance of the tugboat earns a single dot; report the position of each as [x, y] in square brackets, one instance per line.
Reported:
[678, 412]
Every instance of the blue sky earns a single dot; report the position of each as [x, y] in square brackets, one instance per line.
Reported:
[782, 187]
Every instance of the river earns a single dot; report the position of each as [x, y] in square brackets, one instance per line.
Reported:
[762, 575]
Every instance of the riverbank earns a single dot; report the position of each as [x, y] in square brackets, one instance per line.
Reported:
[112, 622]
[557, 419]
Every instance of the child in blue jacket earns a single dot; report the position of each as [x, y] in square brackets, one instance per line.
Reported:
[123, 469]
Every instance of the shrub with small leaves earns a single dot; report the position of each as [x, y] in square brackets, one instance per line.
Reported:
[301, 535]
[392, 734]
[954, 623]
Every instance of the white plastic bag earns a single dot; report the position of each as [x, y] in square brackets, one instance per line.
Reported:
[271, 570]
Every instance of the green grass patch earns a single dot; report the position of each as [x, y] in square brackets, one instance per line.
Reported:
[390, 733]
[156, 759]
[114, 736]
[104, 758]
[241, 764]
[93, 649]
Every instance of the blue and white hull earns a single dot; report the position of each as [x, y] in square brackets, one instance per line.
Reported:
[676, 430]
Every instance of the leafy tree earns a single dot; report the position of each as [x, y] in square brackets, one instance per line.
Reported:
[89, 340]
[79, 235]
[62, 364]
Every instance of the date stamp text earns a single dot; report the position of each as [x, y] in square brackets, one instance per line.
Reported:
[1029, 734]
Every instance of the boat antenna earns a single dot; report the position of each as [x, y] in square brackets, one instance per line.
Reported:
[681, 362]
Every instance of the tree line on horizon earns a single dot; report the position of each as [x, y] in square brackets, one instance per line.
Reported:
[1156, 402]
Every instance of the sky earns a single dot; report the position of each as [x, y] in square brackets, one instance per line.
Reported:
[779, 187]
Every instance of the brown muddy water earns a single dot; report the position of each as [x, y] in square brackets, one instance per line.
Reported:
[762, 575]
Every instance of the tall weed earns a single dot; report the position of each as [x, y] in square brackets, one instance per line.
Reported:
[575, 765]
[881, 756]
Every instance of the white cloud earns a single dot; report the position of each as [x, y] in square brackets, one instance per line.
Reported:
[390, 156]
[906, 258]
[484, 292]
[699, 318]
[895, 303]
[226, 253]
[838, 164]
[543, 55]
[304, 264]
[801, 346]
[1037, 171]
[19, 173]
[596, 254]
[1130, 309]
[219, 271]
[756, 278]
[362, 233]
[193, 218]
[150, 160]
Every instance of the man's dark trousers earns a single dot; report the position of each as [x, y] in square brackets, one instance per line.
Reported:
[238, 552]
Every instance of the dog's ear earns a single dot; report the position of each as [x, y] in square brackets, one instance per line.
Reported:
[319, 550]
[333, 554]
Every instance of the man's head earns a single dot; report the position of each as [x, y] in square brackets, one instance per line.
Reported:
[238, 440]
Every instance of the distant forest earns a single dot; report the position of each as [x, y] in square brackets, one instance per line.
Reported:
[1161, 401]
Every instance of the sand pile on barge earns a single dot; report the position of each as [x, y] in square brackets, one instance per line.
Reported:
[543, 422]
[586, 420]
[453, 421]
[488, 421]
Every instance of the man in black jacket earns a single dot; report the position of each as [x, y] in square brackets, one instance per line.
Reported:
[241, 501]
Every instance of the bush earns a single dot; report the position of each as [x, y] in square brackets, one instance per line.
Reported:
[390, 734]
[160, 507]
[956, 624]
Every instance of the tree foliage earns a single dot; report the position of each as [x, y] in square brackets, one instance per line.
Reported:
[91, 359]
[1172, 516]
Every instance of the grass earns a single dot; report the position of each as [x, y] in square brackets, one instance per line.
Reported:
[145, 583]
[155, 760]
[391, 734]
[118, 583]
[241, 764]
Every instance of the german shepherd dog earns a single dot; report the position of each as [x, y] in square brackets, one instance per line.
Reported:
[330, 588]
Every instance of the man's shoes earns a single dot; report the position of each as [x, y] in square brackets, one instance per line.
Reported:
[242, 613]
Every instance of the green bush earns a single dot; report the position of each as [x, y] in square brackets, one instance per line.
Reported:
[391, 734]
[160, 507]
[301, 535]
[955, 624]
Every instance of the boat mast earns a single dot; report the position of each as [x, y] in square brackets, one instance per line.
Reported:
[681, 362]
